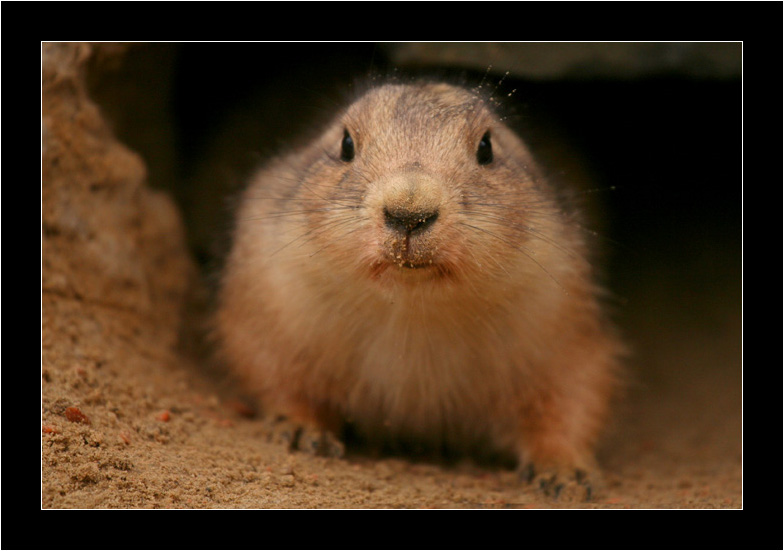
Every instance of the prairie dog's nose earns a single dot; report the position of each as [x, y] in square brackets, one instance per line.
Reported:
[407, 221]
[411, 201]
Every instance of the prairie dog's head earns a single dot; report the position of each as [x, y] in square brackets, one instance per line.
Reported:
[423, 182]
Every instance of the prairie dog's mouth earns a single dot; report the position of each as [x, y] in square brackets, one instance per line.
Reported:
[409, 252]
[414, 265]
[385, 270]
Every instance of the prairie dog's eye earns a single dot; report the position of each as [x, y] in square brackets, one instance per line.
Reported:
[484, 153]
[347, 147]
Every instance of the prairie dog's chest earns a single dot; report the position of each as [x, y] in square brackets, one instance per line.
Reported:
[425, 381]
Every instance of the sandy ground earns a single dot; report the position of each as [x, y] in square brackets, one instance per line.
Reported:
[162, 434]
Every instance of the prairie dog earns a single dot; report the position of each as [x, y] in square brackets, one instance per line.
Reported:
[411, 272]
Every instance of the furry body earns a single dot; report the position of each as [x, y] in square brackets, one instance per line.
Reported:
[388, 275]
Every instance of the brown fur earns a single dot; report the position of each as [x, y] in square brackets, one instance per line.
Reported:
[483, 329]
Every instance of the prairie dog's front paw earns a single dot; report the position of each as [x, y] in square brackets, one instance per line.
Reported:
[570, 485]
[306, 438]
[319, 442]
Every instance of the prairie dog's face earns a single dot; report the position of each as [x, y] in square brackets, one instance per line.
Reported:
[423, 182]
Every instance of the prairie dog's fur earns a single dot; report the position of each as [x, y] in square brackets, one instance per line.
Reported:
[411, 271]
